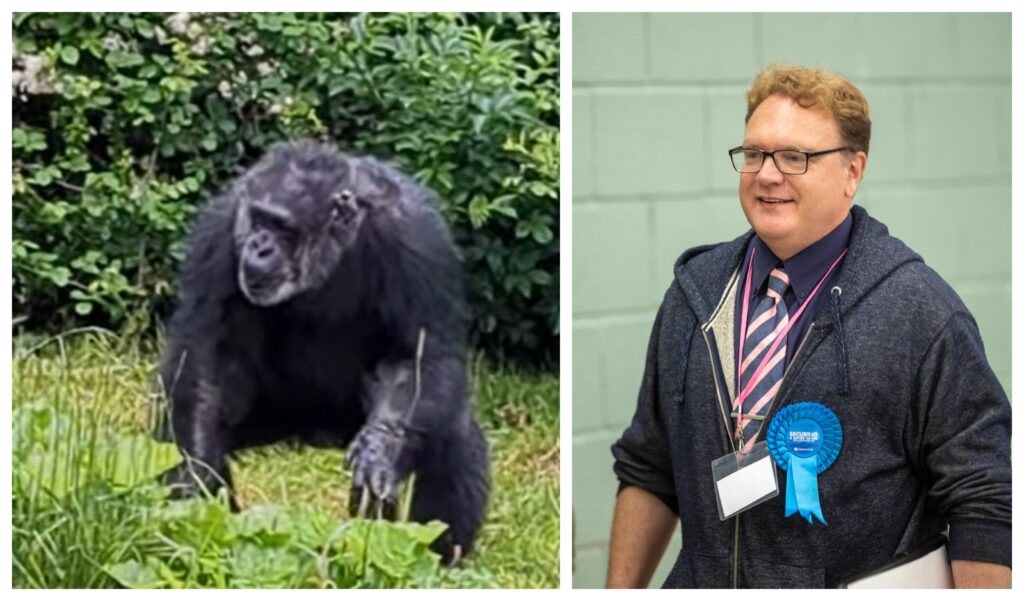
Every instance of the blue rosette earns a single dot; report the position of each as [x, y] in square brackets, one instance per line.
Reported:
[804, 439]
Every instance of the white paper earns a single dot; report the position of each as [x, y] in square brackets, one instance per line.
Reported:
[741, 488]
[930, 571]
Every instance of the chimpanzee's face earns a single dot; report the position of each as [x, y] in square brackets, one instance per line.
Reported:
[293, 225]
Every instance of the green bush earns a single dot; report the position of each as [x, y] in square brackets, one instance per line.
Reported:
[125, 124]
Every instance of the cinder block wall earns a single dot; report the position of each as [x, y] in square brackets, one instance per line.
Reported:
[657, 101]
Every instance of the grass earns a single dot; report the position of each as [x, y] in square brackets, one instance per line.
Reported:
[73, 393]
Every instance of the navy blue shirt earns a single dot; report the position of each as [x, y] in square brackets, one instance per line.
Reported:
[804, 270]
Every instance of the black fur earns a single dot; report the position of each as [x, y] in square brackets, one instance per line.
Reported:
[336, 361]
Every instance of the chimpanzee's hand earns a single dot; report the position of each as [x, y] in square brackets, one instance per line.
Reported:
[373, 457]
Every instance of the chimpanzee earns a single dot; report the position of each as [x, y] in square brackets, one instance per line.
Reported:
[321, 301]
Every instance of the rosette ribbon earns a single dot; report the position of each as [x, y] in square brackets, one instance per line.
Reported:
[804, 439]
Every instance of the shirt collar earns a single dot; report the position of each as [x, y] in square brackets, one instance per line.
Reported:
[806, 267]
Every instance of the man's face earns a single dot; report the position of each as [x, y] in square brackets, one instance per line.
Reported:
[791, 212]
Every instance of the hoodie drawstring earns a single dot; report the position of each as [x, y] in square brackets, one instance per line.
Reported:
[841, 365]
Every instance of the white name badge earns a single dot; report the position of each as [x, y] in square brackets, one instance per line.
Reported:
[743, 481]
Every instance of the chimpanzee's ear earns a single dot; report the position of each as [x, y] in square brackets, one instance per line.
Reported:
[373, 184]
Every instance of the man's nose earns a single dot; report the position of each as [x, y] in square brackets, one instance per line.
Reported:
[769, 172]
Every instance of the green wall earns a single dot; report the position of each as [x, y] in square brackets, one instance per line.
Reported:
[657, 101]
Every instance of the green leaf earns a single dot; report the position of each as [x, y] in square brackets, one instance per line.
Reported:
[119, 460]
[60, 276]
[540, 277]
[132, 574]
[132, 459]
[69, 54]
[121, 60]
[479, 210]
[542, 234]
[83, 308]
[28, 139]
[478, 123]
[43, 177]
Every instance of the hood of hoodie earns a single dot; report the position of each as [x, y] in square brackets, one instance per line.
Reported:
[704, 271]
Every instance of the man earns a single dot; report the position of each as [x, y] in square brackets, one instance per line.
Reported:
[817, 304]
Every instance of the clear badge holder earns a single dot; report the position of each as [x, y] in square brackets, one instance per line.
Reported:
[744, 480]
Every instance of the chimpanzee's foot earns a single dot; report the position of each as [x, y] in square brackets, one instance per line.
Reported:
[192, 478]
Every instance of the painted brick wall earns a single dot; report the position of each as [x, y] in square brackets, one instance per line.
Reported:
[657, 101]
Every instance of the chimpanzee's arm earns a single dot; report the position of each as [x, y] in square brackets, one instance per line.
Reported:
[199, 377]
[407, 402]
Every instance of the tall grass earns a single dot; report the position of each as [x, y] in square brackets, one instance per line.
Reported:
[80, 473]
[87, 513]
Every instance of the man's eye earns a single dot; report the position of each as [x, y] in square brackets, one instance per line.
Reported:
[793, 157]
[751, 156]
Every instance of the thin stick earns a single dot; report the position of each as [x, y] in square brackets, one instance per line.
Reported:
[364, 503]
[406, 507]
[420, 343]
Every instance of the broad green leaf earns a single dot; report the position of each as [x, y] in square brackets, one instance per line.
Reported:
[69, 54]
[542, 234]
[132, 574]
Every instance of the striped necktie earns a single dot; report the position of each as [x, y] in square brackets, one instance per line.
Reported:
[767, 323]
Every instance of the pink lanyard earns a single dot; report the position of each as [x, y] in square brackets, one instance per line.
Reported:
[738, 403]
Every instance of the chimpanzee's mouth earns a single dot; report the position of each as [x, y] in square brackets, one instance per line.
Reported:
[266, 291]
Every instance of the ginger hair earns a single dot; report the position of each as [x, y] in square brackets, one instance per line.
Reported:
[817, 88]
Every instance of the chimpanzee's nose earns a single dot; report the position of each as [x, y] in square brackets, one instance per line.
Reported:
[263, 254]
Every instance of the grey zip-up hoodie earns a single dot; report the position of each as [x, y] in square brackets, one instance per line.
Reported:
[897, 357]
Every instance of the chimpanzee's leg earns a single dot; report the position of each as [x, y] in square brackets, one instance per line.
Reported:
[201, 430]
[452, 484]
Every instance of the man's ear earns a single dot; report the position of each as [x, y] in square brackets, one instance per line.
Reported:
[854, 173]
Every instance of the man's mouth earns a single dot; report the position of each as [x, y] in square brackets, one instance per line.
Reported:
[773, 201]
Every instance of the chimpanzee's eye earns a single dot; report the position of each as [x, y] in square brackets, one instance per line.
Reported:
[263, 218]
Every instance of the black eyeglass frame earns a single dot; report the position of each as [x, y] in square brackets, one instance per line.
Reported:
[764, 153]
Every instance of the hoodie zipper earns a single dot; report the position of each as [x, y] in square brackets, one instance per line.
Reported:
[728, 434]
[718, 390]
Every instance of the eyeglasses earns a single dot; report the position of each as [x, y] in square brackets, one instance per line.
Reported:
[790, 162]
